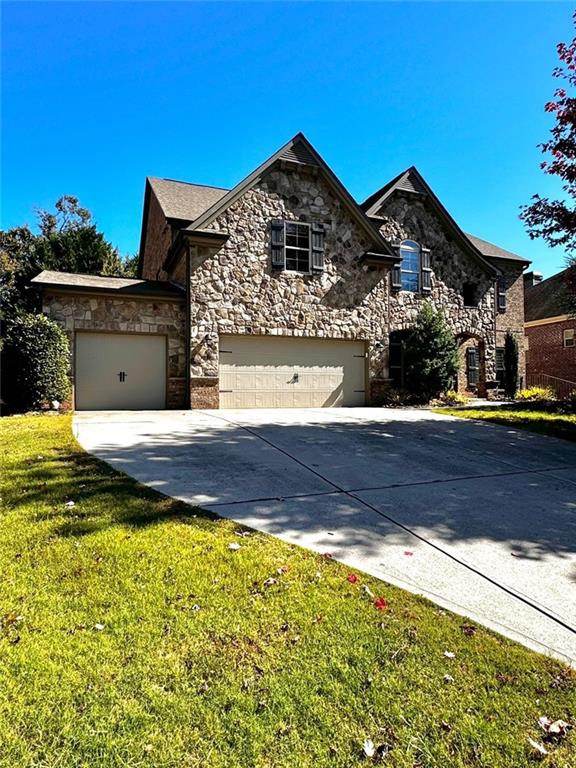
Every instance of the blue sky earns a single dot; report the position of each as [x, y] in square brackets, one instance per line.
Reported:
[96, 96]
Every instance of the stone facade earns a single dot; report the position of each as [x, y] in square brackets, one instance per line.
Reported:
[237, 291]
[123, 314]
[408, 219]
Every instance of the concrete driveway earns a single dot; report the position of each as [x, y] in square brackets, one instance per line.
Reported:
[479, 518]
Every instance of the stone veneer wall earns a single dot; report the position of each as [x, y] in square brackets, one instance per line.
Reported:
[408, 218]
[99, 312]
[513, 319]
[237, 291]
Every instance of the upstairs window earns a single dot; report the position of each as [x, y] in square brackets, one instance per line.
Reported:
[410, 266]
[470, 295]
[297, 246]
[569, 337]
[413, 271]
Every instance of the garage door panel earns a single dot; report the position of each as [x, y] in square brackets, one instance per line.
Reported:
[276, 372]
[101, 357]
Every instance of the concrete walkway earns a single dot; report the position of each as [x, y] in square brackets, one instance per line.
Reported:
[479, 518]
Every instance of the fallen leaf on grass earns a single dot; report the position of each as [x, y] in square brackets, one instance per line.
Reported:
[234, 546]
[448, 679]
[537, 747]
[367, 590]
[70, 504]
[449, 654]
[554, 727]
[327, 556]
[445, 726]
[469, 630]
[352, 578]
[369, 748]
[99, 627]
[380, 603]
[282, 569]
[270, 582]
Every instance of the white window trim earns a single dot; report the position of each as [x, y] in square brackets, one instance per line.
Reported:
[568, 336]
[296, 248]
[413, 247]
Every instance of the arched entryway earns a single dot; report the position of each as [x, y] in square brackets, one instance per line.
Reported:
[471, 378]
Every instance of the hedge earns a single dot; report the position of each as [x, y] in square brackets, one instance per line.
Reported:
[36, 362]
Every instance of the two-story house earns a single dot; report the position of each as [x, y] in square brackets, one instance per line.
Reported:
[283, 292]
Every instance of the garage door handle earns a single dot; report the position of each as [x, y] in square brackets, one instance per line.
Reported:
[122, 376]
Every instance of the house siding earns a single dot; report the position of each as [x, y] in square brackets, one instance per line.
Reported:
[158, 241]
[546, 352]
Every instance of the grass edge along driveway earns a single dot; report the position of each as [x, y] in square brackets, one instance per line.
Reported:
[531, 419]
[138, 631]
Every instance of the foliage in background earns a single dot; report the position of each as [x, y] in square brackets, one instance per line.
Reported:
[536, 395]
[451, 397]
[430, 355]
[555, 220]
[35, 365]
[510, 365]
[67, 240]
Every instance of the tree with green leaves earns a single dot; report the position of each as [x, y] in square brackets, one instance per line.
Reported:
[430, 355]
[66, 240]
[554, 220]
[510, 365]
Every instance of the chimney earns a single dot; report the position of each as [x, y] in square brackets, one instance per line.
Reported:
[532, 278]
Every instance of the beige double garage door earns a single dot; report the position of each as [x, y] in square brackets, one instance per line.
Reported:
[116, 371]
[280, 372]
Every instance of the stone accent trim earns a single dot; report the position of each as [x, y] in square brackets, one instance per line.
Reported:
[205, 392]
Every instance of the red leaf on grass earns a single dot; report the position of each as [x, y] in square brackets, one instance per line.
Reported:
[352, 578]
[380, 603]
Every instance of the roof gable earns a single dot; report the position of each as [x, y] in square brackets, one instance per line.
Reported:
[413, 182]
[297, 150]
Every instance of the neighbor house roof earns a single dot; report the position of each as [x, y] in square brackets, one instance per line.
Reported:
[127, 286]
[180, 200]
[550, 298]
[492, 251]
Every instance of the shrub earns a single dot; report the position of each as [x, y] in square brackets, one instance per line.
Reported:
[36, 362]
[430, 355]
[536, 395]
[510, 365]
[451, 397]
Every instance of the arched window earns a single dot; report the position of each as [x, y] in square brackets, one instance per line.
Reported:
[410, 265]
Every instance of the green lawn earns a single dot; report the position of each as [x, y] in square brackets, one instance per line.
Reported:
[131, 635]
[530, 418]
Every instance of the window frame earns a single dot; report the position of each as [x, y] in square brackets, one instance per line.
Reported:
[411, 246]
[471, 384]
[308, 227]
[500, 354]
[566, 338]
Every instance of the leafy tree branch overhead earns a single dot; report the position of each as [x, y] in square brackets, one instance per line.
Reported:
[66, 239]
[555, 220]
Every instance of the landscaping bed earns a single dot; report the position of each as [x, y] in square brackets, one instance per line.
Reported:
[138, 631]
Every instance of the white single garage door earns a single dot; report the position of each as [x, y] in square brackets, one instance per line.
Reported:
[120, 371]
[279, 372]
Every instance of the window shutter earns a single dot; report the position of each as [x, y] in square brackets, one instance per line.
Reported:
[501, 291]
[396, 271]
[317, 247]
[426, 271]
[277, 244]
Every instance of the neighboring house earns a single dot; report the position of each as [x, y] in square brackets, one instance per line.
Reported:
[283, 291]
[550, 333]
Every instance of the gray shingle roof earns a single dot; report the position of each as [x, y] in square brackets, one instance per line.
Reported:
[180, 200]
[124, 285]
[549, 298]
[493, 251]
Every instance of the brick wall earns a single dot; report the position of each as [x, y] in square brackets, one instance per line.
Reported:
[158, 241]
[513, 319]
[546, 352]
